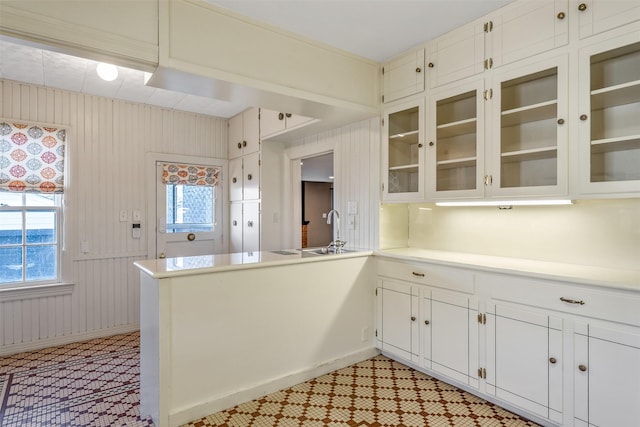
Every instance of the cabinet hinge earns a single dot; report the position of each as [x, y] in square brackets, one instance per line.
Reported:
[488, 63]
[376, 291]
[482, 373]
[488, 94]
[482, 318]
[383, 71]
[488, 27]
[383, 186]
[376, 332]
[383, 98]
[383, 121]
[260, 162]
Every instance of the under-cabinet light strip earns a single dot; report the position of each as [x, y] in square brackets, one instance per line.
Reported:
[507, 203]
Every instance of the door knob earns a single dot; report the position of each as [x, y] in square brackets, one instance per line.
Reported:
[191, 237]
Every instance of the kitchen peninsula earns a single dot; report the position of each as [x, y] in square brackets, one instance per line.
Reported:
[219, 330]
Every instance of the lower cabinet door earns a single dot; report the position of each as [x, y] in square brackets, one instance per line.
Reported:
[524, 359]
[607, 376]
[450, 337]
[399, 320]
[251, 227]
[235, 230]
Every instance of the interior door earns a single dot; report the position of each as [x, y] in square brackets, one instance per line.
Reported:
[189, 219]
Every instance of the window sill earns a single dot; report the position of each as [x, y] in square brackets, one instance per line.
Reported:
[18, 293]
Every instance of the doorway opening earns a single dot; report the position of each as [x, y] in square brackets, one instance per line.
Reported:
[316, 200]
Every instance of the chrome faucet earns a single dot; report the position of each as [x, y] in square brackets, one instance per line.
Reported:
[336, 244]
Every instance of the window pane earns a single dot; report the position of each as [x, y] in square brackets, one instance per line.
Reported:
[10, 199]
[41, 262]
[189, 208]
[10, 264]
[36, 199]
[41, 227]
[10, 228]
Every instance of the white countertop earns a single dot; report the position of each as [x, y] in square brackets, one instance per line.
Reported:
[184, 266]
[581, 274]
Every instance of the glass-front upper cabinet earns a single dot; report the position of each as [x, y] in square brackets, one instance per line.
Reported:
[403, 152]
[529, 151]
[455, 147]
[609, 118]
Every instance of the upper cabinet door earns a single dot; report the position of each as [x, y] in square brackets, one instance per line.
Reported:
[251, 130]
[455, 146]
[235, 136]
[609, 116]
[271, 122]
[597, 16]
[529, 151]
[456, 55]
[403, 76]
[403, 152]
[524, 29]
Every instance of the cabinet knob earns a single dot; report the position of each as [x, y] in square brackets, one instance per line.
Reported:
[552, 360]
[239, 145]
[234, 180]
[430, 143]
[583, 368]
[583, 117]
[560, 121]
[426, 322]
[280, 116]
[249, 177]
[582, 7]
[418, 69]
[235, 223]
[431, 65]
[413, 318]
[561, 15]
[288, 115]
[420, 145]
[244, 143]
[249, 223]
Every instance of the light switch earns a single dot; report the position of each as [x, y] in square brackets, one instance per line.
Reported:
[136, 216]
[352, 208]
[123, 216]
[351, 222]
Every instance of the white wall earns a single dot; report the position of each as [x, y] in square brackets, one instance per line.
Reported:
[356, 167]
[602, 233]
[106, 150]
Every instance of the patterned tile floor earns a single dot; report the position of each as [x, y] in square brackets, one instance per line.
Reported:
[96, 383]
[378, 392]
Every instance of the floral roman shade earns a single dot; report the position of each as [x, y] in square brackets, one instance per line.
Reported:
[177, 174]
[31, 157]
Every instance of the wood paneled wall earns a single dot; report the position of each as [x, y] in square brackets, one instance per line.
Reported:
[356, 167]
[107, 143]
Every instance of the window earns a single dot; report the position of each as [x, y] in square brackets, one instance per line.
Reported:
[29, 237]
[189, 208]
[31, 186]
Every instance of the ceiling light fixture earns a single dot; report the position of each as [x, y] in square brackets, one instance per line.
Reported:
[107, 72]
[507, 203]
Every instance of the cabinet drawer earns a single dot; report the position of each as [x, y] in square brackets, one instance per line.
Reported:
[428, 274]
[613, 305]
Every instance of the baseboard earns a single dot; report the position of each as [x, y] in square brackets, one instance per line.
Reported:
[220, 403]
[66, 339]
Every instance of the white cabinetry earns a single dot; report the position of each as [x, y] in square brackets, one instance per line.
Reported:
[609, 128]
[524, 359]
[403, 152]
[598, 16]
[559, 352]
[517, 31]
[403, 76]
[522, 112]
[607, 375]
[245, 227]
[244, 134]
[399, 332]
[274, 122]
[450, 337]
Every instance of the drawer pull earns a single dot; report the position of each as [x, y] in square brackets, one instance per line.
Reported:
[571, 301]
[417, 274]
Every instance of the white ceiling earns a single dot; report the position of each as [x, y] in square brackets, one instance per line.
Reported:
[375, 29]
